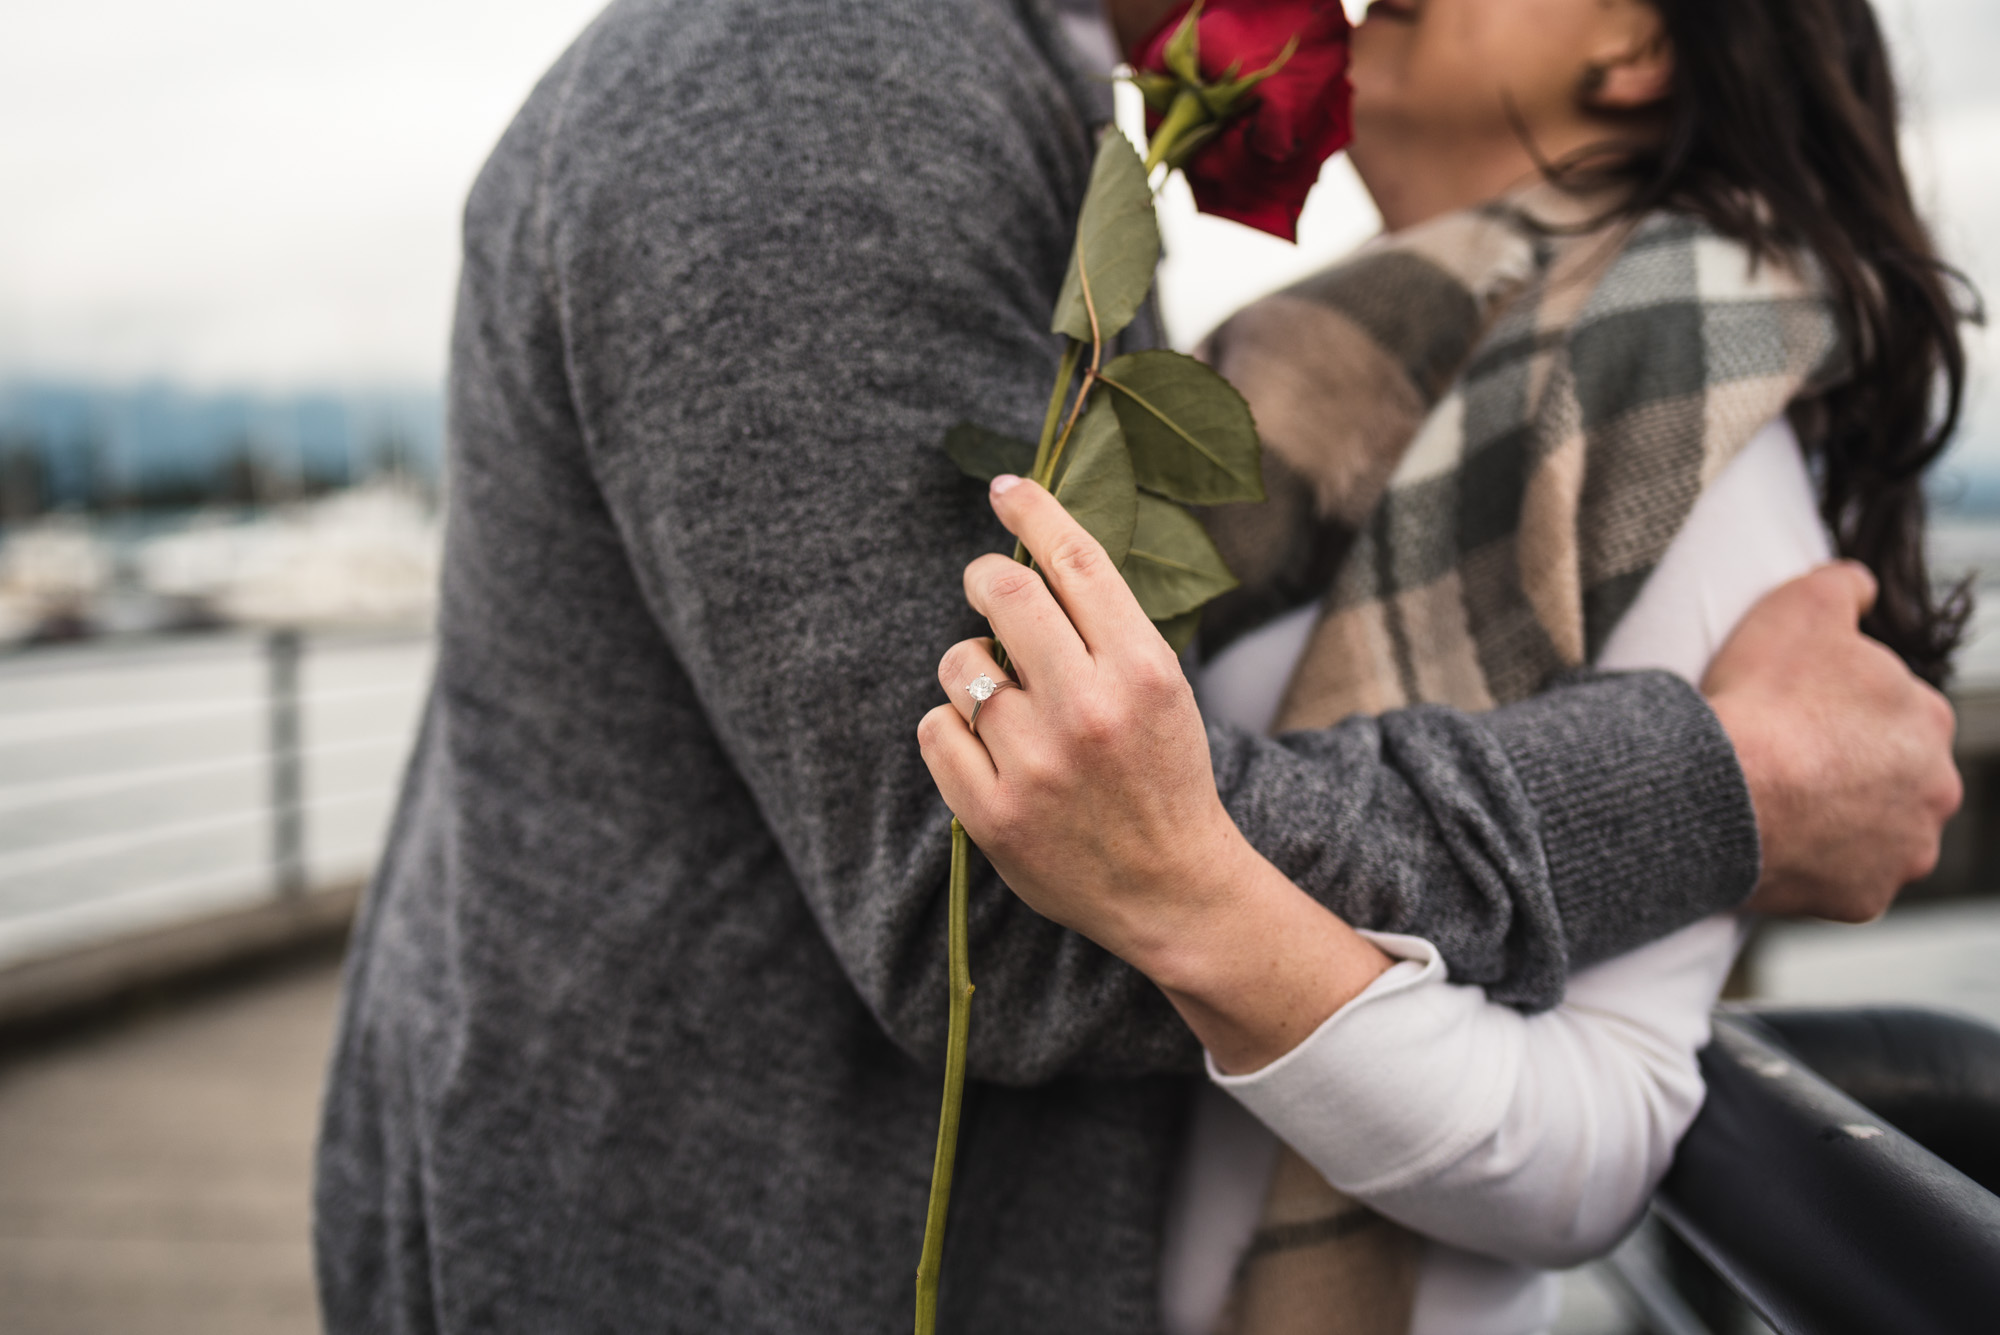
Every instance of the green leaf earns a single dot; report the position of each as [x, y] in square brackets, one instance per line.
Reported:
[1191, 434]
[1094, 480]
[1117, 245]
[1173, 568]
[987, 454]
[1179, 631]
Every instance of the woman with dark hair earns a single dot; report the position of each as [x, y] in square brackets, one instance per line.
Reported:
[1654, 330]
[1781, 132]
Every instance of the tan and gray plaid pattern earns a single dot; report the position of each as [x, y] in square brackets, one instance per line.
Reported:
[1480, 437]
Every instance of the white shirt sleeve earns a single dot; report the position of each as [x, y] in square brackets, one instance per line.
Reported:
[1538, 1139]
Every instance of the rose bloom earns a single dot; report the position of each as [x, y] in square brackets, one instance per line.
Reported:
[1266, 158]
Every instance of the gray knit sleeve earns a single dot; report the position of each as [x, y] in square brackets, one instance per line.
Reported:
[770, 309]
[1542, 837]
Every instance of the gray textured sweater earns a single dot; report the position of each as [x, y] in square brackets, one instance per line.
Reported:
[645, 1015]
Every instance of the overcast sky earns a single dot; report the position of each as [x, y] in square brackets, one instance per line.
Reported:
[260, 192]
[265, 193]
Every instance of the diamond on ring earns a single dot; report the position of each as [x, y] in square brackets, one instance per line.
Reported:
[983, 688]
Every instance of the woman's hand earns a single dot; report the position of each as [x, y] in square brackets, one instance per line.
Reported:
[1090, 790]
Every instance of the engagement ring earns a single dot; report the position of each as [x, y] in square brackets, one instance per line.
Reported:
[983, 688]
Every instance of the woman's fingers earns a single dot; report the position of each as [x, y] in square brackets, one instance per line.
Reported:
[1026, 617]
[1002, 723]
[1090, 588]
[961, 768]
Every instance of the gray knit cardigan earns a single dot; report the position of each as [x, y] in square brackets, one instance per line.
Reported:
[645, 1016]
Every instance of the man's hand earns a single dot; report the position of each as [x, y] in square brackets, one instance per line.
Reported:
[1847, 754]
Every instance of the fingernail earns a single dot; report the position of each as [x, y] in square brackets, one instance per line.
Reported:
[1005, 483]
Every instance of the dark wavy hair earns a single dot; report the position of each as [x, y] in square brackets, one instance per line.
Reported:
[1781, 132]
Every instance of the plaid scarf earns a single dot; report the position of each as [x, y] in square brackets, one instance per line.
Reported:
[1481, 435]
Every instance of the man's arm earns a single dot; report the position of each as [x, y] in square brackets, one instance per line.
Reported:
[1573, 826]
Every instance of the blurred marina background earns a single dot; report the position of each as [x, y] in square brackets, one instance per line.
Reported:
[227, 255]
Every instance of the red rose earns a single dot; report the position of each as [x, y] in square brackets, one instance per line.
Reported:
[1266, 153]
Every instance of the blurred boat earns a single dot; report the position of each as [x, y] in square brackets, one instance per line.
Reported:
[366, 556]
[363, 557]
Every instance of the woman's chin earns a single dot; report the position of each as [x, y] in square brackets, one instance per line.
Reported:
[1379, 127]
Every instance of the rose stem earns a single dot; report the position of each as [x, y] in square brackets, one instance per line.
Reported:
[960, 966]
[1185, 113]
[960, 969]
[959, 963]
[1089, 377]
[1064, 374]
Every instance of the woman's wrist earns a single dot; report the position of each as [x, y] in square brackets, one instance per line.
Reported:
[1252, 963]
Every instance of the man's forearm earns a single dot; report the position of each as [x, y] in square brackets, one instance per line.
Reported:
[1646, 822]
[1549, 834]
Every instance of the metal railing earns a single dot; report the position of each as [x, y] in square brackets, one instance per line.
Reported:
[1840, 1178]
[142, 786]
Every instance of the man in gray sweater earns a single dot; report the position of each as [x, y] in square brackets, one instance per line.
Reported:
[645, 1015]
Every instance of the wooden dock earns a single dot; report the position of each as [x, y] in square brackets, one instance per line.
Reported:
[154, 1164]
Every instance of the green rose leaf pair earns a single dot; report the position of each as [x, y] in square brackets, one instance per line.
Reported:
[1157, 431]
[1165, 432]
[1188, 432]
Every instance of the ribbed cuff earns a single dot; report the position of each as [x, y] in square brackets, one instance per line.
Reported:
[1645, 816]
